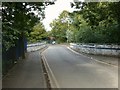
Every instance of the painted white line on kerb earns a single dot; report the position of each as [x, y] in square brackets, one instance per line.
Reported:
[57, 85]
[91, 58]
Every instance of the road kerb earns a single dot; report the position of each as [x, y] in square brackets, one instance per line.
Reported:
[91, 58]
[53, 81]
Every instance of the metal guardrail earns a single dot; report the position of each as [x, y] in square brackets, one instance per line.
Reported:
[111, 50]
[102, 48]
[35, 46]
[117, 47]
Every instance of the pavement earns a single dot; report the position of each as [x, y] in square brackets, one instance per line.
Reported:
[70, 70]
[27, 73]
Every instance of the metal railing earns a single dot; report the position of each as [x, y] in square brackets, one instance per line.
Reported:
[97, 49]
[35, 46]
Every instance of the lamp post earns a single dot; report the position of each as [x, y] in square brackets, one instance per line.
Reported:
[67, 32]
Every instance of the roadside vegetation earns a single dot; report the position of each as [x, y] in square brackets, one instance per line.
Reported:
[93, 22]
[38, 33]
[21, 23]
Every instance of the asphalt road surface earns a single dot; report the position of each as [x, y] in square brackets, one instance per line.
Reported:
[71, 70]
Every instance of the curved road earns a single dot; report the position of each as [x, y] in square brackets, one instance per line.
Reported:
[77, 71]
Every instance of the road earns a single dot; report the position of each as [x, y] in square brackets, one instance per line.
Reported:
[71, 70]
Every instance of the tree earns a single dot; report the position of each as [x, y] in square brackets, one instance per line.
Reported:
[60, 26]
[38, 33]
[18, 20]
[102, 18]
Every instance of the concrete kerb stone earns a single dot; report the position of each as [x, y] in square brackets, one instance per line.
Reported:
[50, 78]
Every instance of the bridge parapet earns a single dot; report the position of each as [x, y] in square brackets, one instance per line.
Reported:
[110, 50]
[35, 46]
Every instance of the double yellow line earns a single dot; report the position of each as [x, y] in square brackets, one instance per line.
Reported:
[53, 80]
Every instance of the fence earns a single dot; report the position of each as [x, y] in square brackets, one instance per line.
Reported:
[110, 50]
[13, 54]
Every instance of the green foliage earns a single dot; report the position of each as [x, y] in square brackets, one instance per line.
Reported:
[18, 19]
[96, 22]
[59, 27]
[38, 33]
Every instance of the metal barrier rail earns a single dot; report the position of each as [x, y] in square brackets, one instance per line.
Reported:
[111, 50]
[35, 47]
[35, 44]
[96, 46]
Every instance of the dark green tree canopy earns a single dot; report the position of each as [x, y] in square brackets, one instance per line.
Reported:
[103, 22]
[18, 18]
[92, 22]
[59, 27]
[38, 33]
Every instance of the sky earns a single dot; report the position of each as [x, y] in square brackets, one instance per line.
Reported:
[53, 11]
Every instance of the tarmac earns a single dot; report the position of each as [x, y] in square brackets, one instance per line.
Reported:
[106, 59]
[27, 73]
[111, 60]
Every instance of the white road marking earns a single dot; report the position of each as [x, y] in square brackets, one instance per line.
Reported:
[91, 58]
